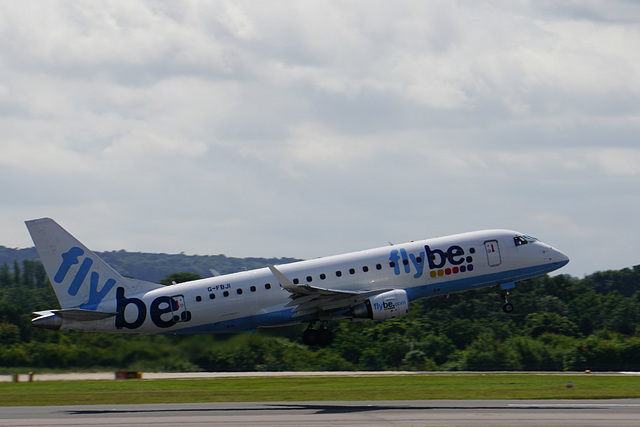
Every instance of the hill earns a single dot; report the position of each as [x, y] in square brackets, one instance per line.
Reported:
[155, 267]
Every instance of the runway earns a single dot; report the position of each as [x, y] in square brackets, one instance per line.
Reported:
[615, 412]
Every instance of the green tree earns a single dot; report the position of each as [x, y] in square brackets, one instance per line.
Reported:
[179, 278]
[16, 272]
[486, 353]
[5, 276]
[537, 324]
[9, 333]
[416, 360]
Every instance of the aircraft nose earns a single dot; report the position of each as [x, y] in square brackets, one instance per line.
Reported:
[558, 257]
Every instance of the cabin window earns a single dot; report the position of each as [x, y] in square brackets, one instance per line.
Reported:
[198, 298]
[267, 286]
[392, 264]
[419, 260]
[352, 271]
[225, 293]
[405, 261]
[309, 279]
[212, 296]
[253, 288]
[523, 240]
[365, 268]
[323, 276]
[239, 291]
[379, 266]
[296, 281]
[338, 273]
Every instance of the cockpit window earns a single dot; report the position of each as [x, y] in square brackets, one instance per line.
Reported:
[523, 240]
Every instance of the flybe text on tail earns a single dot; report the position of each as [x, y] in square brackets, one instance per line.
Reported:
[72, 257]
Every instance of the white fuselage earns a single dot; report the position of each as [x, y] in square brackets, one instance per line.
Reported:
[252, 299]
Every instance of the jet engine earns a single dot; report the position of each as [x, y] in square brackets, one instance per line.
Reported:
[387, 305]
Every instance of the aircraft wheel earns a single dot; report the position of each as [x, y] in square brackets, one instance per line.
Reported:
[507, 308]
[310, 337]
[325, 337]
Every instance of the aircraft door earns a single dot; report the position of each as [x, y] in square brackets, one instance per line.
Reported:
[493, 252]
[180, 313]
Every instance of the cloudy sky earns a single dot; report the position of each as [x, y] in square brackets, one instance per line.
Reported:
[311, 128]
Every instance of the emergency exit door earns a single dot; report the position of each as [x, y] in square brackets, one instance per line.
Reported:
[493, 252]
[180, 313]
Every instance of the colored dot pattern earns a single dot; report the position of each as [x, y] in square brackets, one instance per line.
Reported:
[453, 270]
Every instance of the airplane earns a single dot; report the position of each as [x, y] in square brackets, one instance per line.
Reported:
[375, 284]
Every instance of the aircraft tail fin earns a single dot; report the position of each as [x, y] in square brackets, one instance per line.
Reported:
[79, 277]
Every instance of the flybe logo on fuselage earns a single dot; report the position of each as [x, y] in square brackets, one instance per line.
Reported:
[165, 311]
[440, 262]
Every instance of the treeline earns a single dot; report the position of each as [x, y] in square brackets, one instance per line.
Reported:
[559, 323]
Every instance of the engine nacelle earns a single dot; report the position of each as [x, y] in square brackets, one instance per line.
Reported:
[388, 305]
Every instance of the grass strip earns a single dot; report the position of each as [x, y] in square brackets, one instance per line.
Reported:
[260, 389]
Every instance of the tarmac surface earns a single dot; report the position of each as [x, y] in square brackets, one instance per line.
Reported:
[616, 412]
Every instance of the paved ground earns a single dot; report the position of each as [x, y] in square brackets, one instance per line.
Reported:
[612, 413]
[158, 375]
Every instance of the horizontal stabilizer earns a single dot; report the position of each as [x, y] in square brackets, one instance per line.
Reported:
[53, 319]
[76, 314]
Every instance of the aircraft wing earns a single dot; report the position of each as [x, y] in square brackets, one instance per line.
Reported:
[307, 299]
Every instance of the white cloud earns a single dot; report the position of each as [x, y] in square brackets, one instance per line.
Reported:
[141, 145]
[237, 22]
[45, 158]
[248, 128]
[625, 162]
[552, 224]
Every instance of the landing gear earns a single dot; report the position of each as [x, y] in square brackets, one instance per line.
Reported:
[321, 337]
[504, 293]
[507, 308]
[310, 336]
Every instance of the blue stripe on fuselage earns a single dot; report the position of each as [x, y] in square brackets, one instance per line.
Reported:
[484, 281]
